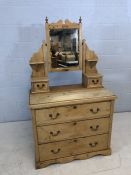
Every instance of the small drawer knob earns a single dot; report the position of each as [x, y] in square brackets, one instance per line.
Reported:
[58, 114]
[75, 123]
[75, 140]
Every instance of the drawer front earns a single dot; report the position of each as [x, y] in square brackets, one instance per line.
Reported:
[94, 82]
[39, 86]
[71, 113]
[73, 147]
[72, 130]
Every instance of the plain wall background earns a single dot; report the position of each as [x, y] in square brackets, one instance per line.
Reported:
[106, 28]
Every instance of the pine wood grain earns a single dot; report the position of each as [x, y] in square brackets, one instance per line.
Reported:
[72, 112]
[75, 129]
[69, 122]
[72, 147]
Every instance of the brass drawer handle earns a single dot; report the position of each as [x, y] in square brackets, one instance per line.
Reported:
[95, 81]
[54, 117]
[93, 144]
[40, 86]
[55, 151]
[94, 128]
[95, 111]
[75, 107]
[54, 134]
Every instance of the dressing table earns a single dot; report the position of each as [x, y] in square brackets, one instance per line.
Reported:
[73, 121]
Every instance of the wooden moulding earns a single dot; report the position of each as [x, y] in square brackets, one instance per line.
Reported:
[35, 136]
[64, 24]
[110, 123]
[71, 158]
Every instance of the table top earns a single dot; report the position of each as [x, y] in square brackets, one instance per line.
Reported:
[69, 95]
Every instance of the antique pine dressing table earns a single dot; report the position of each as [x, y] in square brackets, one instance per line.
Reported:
[74, 121]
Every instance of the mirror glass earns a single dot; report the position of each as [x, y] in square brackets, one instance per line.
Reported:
[64, 48]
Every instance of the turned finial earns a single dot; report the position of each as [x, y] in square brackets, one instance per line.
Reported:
[46, 19]
[80, 19]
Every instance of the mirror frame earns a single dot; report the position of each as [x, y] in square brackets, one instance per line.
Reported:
[63, 25]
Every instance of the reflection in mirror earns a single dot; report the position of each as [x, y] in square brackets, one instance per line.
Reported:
[64, 48]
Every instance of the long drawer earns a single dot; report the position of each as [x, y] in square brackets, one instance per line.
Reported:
[73, 147]
[70, 130]
[74, 112]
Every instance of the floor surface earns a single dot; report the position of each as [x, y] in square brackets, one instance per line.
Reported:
[17, 152]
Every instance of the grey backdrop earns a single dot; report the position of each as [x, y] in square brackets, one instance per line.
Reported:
[106, 27]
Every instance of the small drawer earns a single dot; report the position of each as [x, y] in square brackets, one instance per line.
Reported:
[73, 147]
[71, 130]
[94, 82]
[39, 86]
[71, 113]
